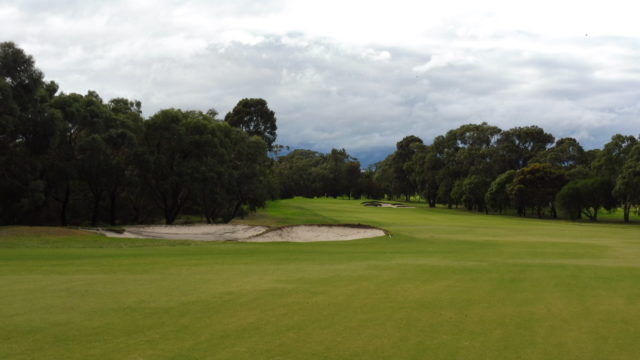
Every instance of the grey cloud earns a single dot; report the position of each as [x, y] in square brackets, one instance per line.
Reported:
[327, 94]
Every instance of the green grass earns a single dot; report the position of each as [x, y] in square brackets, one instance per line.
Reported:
[446, 285]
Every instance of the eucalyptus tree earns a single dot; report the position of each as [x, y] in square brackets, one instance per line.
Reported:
[586, 197]
[517, 146]
[567, 153]
[497, 196]
[536, 186]
[401, 166]
[474, 189]
[28, 131]
[255, 118]
[626, 189]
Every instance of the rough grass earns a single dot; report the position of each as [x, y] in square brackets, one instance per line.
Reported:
[447, 285]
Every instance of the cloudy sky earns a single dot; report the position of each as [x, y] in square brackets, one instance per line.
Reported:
[354, 74]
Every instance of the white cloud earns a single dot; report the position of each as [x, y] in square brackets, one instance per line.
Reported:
[353, 74]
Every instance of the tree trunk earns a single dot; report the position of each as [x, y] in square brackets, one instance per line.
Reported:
[627, 210]
[65, 205]
[112, 207]
[96, 210]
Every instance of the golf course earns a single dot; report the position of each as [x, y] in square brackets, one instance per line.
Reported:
[444, 284]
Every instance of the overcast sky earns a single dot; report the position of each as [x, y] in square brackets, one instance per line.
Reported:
[354, 74]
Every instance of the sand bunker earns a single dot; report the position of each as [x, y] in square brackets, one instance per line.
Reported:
[248, 233]
[310, 233]
[190, 232]
[384, 204]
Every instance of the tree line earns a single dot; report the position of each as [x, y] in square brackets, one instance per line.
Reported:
[77, 159]
[524, 170]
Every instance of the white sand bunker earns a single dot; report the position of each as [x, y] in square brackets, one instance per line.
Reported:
[385, 204]
[311, 233]
[190, 232]
[248, 233]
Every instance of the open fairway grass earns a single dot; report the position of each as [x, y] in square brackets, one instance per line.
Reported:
[446, 285]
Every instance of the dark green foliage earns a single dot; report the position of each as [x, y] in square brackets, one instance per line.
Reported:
[473, 190]
[516, 147]
[626, 189]
[254, 117]
[567, 153]
[74, 159]
[401, 166]
[497, 196]
[311, 174]
[585, 197]
[535, 187]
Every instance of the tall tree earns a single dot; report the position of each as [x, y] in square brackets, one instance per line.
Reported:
[536, 186]
[255, 118]
[517, 146]
[626, 189]
[586, 197]
[28, 130]
[401, 165]
[497, 196]
[567, 153]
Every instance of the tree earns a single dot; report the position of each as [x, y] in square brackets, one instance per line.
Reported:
[585, 197]
[28, 131]
[163, 162]
[517, 146]
[426, 164]
[401, 165]
[567, 153]
[535, 186]
[473, 190]
[497, 196]
[295, 173]
[626, 189]
[255, 118]
[610, 161]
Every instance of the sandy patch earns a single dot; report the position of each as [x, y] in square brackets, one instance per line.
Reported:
[190, 232]
[248, 233]
[312, 233]
[387, 205]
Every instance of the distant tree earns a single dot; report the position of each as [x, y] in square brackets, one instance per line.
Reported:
[255, 118]
[163, 162]
[497, 196]
[473, 190]
[29, 129]
[353, 179]
[567, 153]
[626, 189]
[457, 192]
[295, 173]
[402, 166]
[611, 159]
[370, 188]
[473, 149]
[425, 167]
[585, 197]
[536, 186]
[517, 146]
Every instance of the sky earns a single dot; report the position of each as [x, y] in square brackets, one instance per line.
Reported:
[358, 75]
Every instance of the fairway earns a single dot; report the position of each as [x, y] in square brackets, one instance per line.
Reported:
[447, 284]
